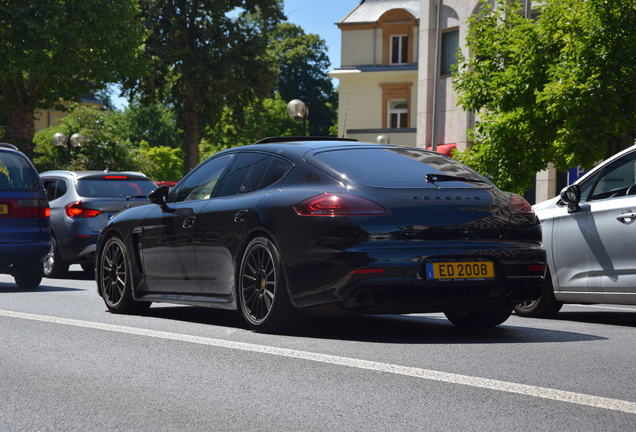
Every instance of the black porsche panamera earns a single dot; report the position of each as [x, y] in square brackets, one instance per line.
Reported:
[324, 225]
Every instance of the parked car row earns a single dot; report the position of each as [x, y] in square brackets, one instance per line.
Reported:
[324, 225]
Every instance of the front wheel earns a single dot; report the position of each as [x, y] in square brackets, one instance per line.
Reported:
[485, 317]
[53, 265]
[115, 280]
[262, 296]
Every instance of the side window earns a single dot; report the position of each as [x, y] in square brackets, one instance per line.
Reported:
[60, 188]
[252, 171]
[277, 168]
[617, 179]
[49, 188]
[200, 183]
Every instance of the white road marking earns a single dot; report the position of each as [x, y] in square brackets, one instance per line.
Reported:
[623, 309]
[624, 406]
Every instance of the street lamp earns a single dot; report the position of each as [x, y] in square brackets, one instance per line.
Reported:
[383, 139]
[298, 111]
[76, 140]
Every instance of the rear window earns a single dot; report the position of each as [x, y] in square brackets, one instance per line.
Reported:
[109, 188]
[396, 168]
[16, 174]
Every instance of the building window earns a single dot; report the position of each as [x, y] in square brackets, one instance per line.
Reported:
[398, 114]
[450, 45]
[399, 49]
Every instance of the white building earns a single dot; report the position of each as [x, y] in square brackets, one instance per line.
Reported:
[393, 84]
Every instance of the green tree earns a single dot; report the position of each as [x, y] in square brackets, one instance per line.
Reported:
[160, 162]
[154, 123]
[303, 66]
[262, 118]
[204, 55]
[560, 90]
[54, 50]
[104, 147]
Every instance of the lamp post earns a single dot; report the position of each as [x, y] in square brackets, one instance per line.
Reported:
[383, 139]
[299, 112]
[75, 141]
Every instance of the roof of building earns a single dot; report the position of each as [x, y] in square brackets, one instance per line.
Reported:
[370, 11]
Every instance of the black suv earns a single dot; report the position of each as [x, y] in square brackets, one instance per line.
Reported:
[81, 204]
[24, 218]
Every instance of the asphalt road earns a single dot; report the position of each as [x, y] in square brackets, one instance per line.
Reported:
[68, 365]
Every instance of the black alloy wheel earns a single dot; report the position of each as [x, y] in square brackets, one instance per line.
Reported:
[53, 266]
[115, 278]
[545, 306]
[262, 297]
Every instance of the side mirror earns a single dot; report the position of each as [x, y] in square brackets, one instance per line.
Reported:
[571, 195]
[159, 195]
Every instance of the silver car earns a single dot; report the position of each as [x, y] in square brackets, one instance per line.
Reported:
[589, 233]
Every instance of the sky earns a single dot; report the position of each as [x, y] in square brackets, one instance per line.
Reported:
[314, 16]
[320, 16]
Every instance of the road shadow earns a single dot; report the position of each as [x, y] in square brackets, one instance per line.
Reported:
[76, 275]
[400, 329]
[625, 319]
[13, 288]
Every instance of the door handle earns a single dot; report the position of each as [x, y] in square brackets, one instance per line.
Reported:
[627, 217]
[239, 217]
[188, 222]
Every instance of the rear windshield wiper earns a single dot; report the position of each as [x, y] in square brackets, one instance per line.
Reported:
[436, 178]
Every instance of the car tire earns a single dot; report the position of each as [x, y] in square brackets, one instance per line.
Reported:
[53, 265]
[262, 296]
[115, 278]
[28, 277]
[545, 306]
[486, 317]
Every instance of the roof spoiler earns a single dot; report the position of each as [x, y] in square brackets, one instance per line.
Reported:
[301, 138]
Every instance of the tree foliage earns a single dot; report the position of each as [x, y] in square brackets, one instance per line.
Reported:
[561, 89]
[303, 65]
[105, 147]
[204, 55]
[263, 118]
[153, 123]
[110, 144]
[54, 50]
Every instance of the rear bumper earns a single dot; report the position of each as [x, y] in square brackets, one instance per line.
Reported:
[323, 277]
[25, 253]
[78, 249]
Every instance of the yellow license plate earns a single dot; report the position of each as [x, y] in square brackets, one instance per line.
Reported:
[460, 270]
[4, 209]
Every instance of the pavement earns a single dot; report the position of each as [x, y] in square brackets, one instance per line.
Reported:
[66, 364]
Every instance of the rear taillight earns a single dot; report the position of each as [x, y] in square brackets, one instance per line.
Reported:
[75, 210]
[517, 205]
[25, 208]
[328, 204]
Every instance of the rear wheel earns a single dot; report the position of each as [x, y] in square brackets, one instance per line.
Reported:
[115, 280]
[53, 265]
[28, 277]
[546, 305]
[262, 296]
[485, 317]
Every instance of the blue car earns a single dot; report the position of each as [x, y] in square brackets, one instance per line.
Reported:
[24, 219]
